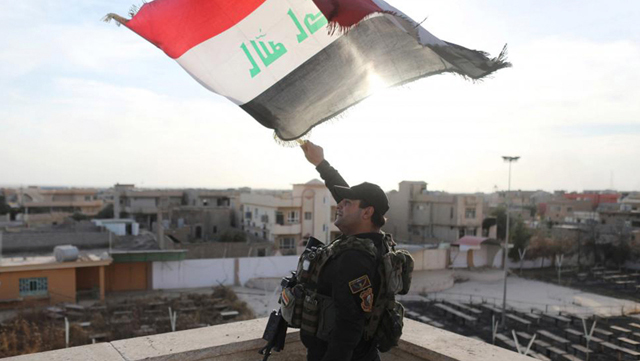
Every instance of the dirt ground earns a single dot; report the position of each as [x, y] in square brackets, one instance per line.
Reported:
[122, 316]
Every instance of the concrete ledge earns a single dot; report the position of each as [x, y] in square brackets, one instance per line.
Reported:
[434, 344]
[241, 341]
[97, 352]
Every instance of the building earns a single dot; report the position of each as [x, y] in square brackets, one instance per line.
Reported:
[561, 210]
[620, 218]
[523, 204]
[193, 214]
[51, 206]
[288, 218]
[419, 216]
[631, 202]
[41, 279]
[596, 197]
[106, 263]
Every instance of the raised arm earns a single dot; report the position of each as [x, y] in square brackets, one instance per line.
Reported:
[315, 155]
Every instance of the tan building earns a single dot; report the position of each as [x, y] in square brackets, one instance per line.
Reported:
[44, 280]
[289, 218]
[205, 212]
[104, 262]
[52, 206]
[565, 211]
[419, 216]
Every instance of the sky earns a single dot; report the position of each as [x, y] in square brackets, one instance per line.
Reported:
[89, 104]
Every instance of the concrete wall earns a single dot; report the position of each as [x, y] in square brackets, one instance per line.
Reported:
[458, 258]
[430, 259]
[266, 267]
[212, 250]
[36, 241]
[213, 272]
[60, 282]
[193, 273]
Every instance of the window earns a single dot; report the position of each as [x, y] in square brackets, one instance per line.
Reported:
[451, 215]
[307, 216]
[569, 209]
[287, 243]
[248, 215]
[471, 232]
[255, 213]
[279, 218]
[34, 286]
[215, 229]
[264, 218]
[292, 217]
[262, 252]
[470, 213]
[460, 232]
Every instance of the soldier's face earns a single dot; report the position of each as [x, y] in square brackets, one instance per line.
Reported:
[348, 215]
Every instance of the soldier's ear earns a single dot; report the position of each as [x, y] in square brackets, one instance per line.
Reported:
[368, 212]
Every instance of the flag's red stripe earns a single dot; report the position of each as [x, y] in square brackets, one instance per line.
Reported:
[175, 26]
[346, 13]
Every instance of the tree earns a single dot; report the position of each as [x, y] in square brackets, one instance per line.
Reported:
[519, 236]
[233, 236]
[619, 249]
[501, 221]
[4, 207]
[540, 247]
[105, 213]
[77, 216]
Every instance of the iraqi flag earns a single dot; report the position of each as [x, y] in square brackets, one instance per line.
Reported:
[293, 64]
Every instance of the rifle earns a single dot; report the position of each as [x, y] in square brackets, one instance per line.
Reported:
[276, 331]
[275, 334]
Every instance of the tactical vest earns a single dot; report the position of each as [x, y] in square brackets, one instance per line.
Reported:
[304, 308]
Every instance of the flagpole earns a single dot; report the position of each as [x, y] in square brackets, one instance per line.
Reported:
[506, 244]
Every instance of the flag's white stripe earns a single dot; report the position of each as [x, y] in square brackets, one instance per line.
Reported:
[221, 65]
[426, 38]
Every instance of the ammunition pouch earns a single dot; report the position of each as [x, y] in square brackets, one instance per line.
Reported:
[327, 321]
[389, 330]
[291, 305]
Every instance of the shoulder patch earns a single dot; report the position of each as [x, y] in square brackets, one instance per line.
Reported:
[359, 284]
[367, 300]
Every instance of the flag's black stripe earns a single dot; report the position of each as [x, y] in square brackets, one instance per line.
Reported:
[340, 75]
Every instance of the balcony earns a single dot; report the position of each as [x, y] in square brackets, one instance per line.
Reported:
[287, 229]
[241, 341]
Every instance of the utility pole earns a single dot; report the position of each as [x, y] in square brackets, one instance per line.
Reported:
[510, 160]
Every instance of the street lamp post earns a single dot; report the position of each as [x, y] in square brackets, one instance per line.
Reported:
[506, 244]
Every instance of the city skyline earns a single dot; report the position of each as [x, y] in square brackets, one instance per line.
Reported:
[84, 103]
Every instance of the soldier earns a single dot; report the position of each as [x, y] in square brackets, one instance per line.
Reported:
[350, 280]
